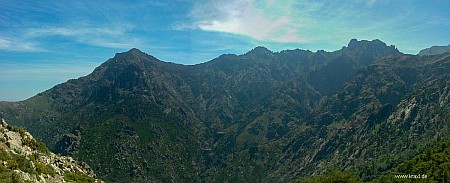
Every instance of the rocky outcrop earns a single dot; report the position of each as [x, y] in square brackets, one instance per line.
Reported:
[25, 159]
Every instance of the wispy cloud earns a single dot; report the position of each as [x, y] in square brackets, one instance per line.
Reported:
[38, 26]
[74, 31]
[34, 39]
[243, 17]
[110, 37]
[14, 44]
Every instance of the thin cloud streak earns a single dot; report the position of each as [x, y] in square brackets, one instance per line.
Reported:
[100, 36]
[97, 36]
[75, 31]
[17, 45]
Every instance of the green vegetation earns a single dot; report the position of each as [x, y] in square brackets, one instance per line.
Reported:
[8, 176]
[433, 165]
[77, 177]
[5, 173]
[45, 169]
[32, 143]
[17, 166]
[21, 162]
[18, 130]
[35, 145]
[17, 162]
[333, 176]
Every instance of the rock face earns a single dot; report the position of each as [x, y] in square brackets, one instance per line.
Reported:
[22, 158]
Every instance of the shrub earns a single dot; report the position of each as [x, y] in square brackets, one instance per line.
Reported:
[40, 167]
[45, 169]
[4, 155]
[35, 145]
[77, 177]
[12, 164]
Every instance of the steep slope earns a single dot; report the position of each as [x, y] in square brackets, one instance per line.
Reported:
[378, 119]
[258, 117]
[25, 159]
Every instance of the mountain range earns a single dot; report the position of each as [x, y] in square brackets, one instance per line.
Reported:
[261, 116]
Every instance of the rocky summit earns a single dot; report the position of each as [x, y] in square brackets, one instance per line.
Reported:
[23, 159]
[262, 116]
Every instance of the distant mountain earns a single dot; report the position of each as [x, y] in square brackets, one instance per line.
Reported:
[23, 159]
[434, 50]
[258, 117]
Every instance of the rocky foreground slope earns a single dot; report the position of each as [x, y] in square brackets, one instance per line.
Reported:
[23, 159]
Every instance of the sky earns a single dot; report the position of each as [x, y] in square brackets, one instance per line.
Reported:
[44, 43]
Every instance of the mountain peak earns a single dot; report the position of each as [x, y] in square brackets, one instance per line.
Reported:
[371, 47]
[122, 60]
[133, 52]
[355, 43]
[259, 50]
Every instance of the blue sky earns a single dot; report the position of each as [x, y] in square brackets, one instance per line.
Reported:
[44, 43]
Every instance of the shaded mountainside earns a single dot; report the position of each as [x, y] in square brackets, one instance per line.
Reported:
[23, 159]
[377, 119]
[258, 117]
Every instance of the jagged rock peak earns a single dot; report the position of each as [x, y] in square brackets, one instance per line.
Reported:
[374, 45]
[355, 43]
